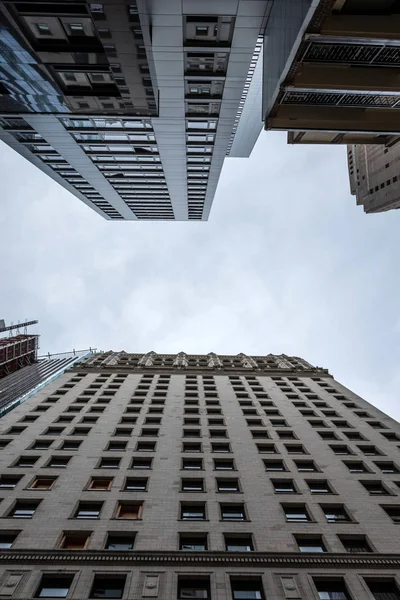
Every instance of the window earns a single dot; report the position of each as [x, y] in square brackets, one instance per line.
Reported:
[108, 586]
[109, 463]
[116, 446]
[340, 449]
[42, 483]
[8, 482]
[228, 485]
[120, 541]
[54, 586]
[355, 543]
[375, 488]
[100, 483]
[129, 510]
[24, 509]
[7, 538]
[267, 448]
[191, 447]
[88, 510]
[26, 461]
[190, 588]
[75, 540]
[296, 513]
[370, 450]
[191, 433]
[136, 484]
[306, 466]
[220, 447]
[319, 486]
[356, 466]
[233, 512]
[274, 465]
[393, 512]
[192, 464]
[387, 467]
[238, 542]
[59, 462]
[70, 445]
[286, 435]
[249, 588]
[141, 463]
[224, 464]
[195, 511]
[310, 543]
[384, 590]
[43, 29]
[284, 486]
[192, 485]
[192, 542]
[331, 589]
[335, 513]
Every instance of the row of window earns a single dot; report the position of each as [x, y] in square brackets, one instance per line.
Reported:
[198, 587]
[197, 511]
[194, 541]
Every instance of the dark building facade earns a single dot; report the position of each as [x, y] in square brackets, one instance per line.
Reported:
[199, 477]
[331, 71]
[131, 106]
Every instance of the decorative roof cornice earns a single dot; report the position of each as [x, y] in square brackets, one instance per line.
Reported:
[230, 559]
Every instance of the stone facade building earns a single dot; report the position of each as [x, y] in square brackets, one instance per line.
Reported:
[199, 477]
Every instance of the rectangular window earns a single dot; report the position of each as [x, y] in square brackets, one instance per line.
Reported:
[306, 466]
[228, 485]
[109, 463]
[331, 589]
[8, 482]
[192, 464]
[54, 586]
[192, 485]
[233, 512]
[43, 483]
[238, 542]
[75, 540]
[319, 486]
[383, 589]
[88, 510]
[136, 484]
[141, 463]
[274, 465]
[129, 510]
[193, 542]
[310, 543]
[224, 464]
[375, 488]
[296, 513]
[120, 541]
[108, 586]
[24, 509]
[7, 538]
[195, 511]
[191, 447]
[190, 588]
[355, 543]
[247, 588]
[335, 513]
[100, 483]
[284, 486]
[220, 447]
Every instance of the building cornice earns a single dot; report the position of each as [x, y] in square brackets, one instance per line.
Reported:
[229, 559]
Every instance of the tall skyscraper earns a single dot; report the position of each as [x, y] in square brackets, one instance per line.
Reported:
[375, 176]
[132, 106]
[199, 477]
[331, 71]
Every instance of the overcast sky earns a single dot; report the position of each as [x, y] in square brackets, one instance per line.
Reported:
[287, 263]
